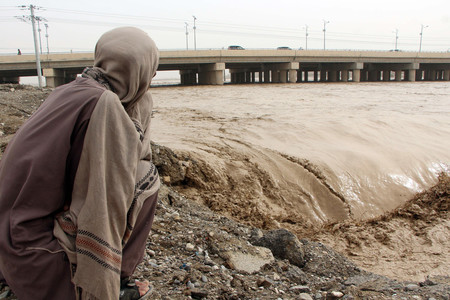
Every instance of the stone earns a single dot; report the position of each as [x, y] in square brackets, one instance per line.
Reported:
[198, 294]
[412, 287]
[166, 179]
[249, 262]
[275, 276]
[264, 282]
[334, 295]
[300, 288]
[190, 247]
[284, 245]
[304, 296]
[190, 285]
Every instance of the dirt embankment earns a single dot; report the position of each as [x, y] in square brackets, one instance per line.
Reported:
[202, 248]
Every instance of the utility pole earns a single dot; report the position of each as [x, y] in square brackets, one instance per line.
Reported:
[33, 19]
[306, 37]
[324, 30]
[421, 34]
[195, 36]
[187, 33]
[396, 39]
[38, 59]
[46, 37]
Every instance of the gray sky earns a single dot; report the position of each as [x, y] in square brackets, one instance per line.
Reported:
[365, 25]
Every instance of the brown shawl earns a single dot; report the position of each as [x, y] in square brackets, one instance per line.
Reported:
[115, 174]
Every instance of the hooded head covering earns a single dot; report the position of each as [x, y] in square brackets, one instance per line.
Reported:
[128, 58]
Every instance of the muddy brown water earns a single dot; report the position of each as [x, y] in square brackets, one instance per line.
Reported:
[330, 150]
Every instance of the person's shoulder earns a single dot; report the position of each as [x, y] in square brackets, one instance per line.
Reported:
[110, 99]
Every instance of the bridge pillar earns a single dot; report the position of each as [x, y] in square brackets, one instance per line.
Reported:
[412, 75]
[266, 76]
[447, 75]
[344, 75]
[433, 75]
[9, 80]
[386, 75]
[283, 76]
[323, 75]
[306, 76]
[280, 72]
[188, 77]
[260, 77]
[275, 76]
[356, 75]
[299, 76]
[53, 77]
[292, 76]
[364, 75]
[398, 75]
[316, 76]
[332, 76]
[211, 74]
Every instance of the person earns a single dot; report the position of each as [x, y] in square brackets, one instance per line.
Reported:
[78, 189]
[19, 52]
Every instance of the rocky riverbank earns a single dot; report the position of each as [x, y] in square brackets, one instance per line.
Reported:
[207, 252]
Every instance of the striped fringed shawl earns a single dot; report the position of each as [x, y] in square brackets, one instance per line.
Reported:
[114, 178]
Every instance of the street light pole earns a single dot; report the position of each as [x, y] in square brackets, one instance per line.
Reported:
[324, 30]
[46, 37]
[187, 33]
[38, 19]
[421, 34]
[195, 37]
[396, 39]
[306, 37]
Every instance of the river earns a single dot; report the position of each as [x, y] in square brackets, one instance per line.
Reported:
[326, 151]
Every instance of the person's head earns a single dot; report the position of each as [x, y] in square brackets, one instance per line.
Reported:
[128, 58]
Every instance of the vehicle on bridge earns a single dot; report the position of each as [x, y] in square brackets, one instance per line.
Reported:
[235, 47]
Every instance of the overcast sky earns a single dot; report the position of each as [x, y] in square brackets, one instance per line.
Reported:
[353, 24]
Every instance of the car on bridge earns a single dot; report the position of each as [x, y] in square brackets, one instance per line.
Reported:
[235, 47]
[284, 48]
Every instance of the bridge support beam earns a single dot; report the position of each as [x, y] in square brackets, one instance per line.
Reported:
[211, 74]
[54, 77]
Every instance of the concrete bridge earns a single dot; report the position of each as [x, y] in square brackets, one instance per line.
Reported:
[248, 66]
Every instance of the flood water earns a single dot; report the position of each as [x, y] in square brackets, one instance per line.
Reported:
[364, 148]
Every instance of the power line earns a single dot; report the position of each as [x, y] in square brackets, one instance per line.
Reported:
[231, 29]
[215, 24]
